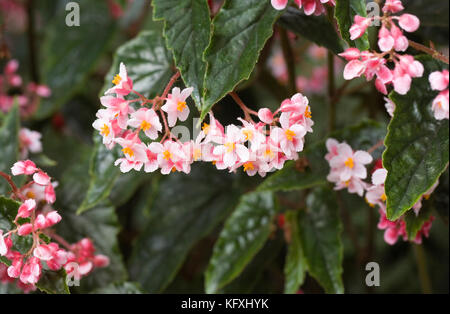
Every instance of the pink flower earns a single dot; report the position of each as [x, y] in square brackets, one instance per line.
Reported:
[390, 106]
[173, 158]
[25, 229]
[289, 137]
[26, 208]
[393, 6]
[135, 154]
[359, 26]
[43, 252]
[148, 121]
[313, 6]
[279, 4]
[231, 149]
[385, 40]
[439, 80]
[265, 115]
[31, 271]
[375, 194]
[49, 194]
[332, 147]
[41, 178]
[153, 150]
[176, 106]
[118, 108]
[401, 42]
[409, 22]
[123, 84]
[350, 164]
[104, 125]
[26, 167]
[354, 68]
[351, 54]
[101, 260]
[30, 141]
[15, 268]
[440, 106]
[52, 219]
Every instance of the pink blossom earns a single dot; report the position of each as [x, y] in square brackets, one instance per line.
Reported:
[43, 252]
[3, 247]
[26, 167]
[176, 106]
[26, 208]
[439, 80]
[350, 164]
[231, 149]
[31, 271]
[265, 115]
[104, 125]
[390, 106]
[385, 40]
[118, 108]
[41, 178]
[172, 158]
[332, 147]
[409, 22]
[359, 26]
[440, 106]
[49, 194]
[148, 121]
[152, 151]
[25, 229]
[393, 6]
[123, 84]
[279, 4]
[30, 141]
[289, 137]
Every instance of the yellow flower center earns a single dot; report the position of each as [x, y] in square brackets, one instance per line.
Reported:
[230, 147]
[347, 183]
[349, 163]
[116, 79]
[181, 105]
[383, 197]
[269, 153]
[248, 134]
[249, 166]
[145, 126]
[167, 155]
[174, 169]
[104, 130]
[128, 151]
[289, 135]
[307, 112]
[30, 194]
[205, 128]
[370, 204]
[197, 154]
[439, 104]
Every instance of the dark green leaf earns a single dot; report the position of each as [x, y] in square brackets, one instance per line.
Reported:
[244, 234]
[9, 145]
[70, 53]
[295, 267]
[415, 222]
[53, 282]
[317, 29]
[320, 235]
[185, 209]
[416, 145]
[345, 12]
[240, 30]
[187, 31]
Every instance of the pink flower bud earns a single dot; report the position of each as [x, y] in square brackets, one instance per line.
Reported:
[279, 4]
[26, 167]
[409, 22]
[26, 208]
[101, 260]
[265, 115]
[49, 193]
[25, 229]
[41, 178]
[351, 54]
[3, 247]
[43, 252]
[40, 222]
[354, 68]
[52, 218]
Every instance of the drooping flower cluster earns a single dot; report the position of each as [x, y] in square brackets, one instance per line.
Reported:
[251, 146]
[348, 171]
[439, 82]
[392, 42]
[34, 219]
[310, 7]
[30, 97]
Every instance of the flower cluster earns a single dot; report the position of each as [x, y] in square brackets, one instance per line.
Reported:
[250, 145]
[10, 80]
[34, 219]
[310, 7]
[392, 42]
[348, 170]
[439, 81]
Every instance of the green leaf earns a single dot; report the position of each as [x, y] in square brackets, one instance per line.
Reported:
[244, 234]
[415, 222]
[9, 144]
[187, 28]
[185, 209]
[345, 12]
[148, 63]
[320, 235]
[53, 282]
[295, 267]
[240, 30]
[70, 53]
[120, 288]
[317, 29]
[362, 136]
[417, 144]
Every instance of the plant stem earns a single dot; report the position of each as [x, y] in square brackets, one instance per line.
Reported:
[172, 81]
[14, 188]
[32, 50]
[289, 58]
[247, 111]
[424, 277]
[432, 52]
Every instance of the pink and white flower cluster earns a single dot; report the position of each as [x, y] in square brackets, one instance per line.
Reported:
[35, 217]
[392, 42]
[439, 82]
[249, 145]
[348, 171]
[310, 7]
[30, 97]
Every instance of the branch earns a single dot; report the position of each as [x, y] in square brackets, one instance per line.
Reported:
[432, 52]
